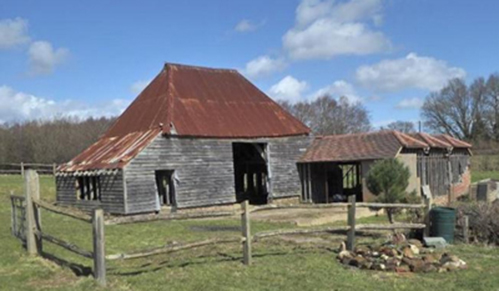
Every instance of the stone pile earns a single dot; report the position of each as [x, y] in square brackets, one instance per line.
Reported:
[400, 256]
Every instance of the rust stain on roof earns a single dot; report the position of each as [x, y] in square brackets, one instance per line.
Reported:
[372, 146]
[206, 102]
[188, 101]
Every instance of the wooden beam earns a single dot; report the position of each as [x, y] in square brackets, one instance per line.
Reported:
[351, 223]
[246, 232]
[63, 210]
[390, 205]
[166, 216]
[32, 192]
[99, 243]
[171, 248]
[299, 231]
[64, 244]
[390, 226]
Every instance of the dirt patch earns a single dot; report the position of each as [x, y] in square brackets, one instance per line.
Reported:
[309, 217]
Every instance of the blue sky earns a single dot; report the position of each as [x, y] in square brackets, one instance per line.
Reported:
[91, 58]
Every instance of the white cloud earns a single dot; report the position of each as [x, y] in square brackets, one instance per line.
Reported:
[288, 89]
[18, 106]
[246, 25]
[325, 29]
[43, 58]
[410, 103]
[338, 89]
[139, 86]
[13, 32]
[412, 71]
[263, 66]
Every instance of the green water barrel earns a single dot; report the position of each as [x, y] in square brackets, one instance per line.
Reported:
[443, 222]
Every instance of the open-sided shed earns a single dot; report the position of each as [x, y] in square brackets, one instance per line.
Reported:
[336, 166]
[194, 137]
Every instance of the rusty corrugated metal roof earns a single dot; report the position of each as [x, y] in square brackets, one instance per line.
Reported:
[110, 152]
[188, 101]
[372, 146]
[456, 143]
[205, 102]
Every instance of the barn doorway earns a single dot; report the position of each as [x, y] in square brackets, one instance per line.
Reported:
[251, 172]
[166, 187]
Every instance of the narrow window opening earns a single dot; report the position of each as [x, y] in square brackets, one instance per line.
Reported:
[88, 188]
[166, 187]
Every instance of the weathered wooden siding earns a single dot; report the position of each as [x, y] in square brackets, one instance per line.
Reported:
[204, 170]
[112, 199]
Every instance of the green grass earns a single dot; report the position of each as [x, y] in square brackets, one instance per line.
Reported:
[278, 265]
[480, 175]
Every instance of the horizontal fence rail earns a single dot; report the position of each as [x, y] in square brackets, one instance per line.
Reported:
[20, 168]
[63, 210]
[64, 244]
[169, 216]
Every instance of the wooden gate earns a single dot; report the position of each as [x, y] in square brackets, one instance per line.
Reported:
[18, 221]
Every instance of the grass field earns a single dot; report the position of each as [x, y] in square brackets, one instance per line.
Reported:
[278, 264]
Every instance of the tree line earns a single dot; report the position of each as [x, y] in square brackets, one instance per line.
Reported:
[49, 141]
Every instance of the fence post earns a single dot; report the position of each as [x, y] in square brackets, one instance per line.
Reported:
[245, 226]
[22, 169]
[54, 168]
[99, 246]
[13, 212]
[32, 191]
[427, 209]
[466, 226]
[351, 223]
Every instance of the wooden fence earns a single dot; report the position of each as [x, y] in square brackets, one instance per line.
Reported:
[20, 168]
[35, 236]
[18, 217]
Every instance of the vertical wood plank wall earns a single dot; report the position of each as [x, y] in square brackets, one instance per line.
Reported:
[205, 171]
[112, 197]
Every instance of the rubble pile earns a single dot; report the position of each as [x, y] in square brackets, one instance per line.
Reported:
[400, 255]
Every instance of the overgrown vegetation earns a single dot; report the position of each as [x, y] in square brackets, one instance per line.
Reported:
[483, 221]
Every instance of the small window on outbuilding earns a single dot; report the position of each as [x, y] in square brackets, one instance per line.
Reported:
[166, 187]
[88, 188]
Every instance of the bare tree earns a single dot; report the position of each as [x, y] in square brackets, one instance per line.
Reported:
[402, 126]
[326, 115]
[456, 109]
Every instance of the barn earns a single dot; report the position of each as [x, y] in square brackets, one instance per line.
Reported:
[194, 137]
[335, 167]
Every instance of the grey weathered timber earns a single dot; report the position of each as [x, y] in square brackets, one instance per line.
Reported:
[279, 232]
[390, 226]
[99, 242]
[62, 210]
[351, 223]
[427, 209]
[112, 194]
[390, 205]
[204, 170]
[246, 232]
[171, 248]
[168, 216]
[64, 244]
[466, 228]
[32, 191]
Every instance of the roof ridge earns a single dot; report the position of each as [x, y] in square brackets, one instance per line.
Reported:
[169, 64]
[356, 134]
[401, 135]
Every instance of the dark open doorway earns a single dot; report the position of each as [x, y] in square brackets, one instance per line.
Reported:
[166, 187]
[250, 172]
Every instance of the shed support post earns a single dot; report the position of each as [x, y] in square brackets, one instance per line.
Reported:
[449, 168]
[246, 232]
[427, 209]
[466, 226]
[99, 246]
[351, 223]
[32, 191]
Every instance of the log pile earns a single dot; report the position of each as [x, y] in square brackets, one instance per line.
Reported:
[402, 256]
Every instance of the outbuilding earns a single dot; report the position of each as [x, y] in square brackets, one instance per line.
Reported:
[195, 137]
[336, 166]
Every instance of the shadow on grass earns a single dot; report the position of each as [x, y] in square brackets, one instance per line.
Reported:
[209, 259]
[77, 269]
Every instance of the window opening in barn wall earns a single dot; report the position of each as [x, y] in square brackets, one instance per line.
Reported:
[166, 187]
[250, 172]
[89, 188]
